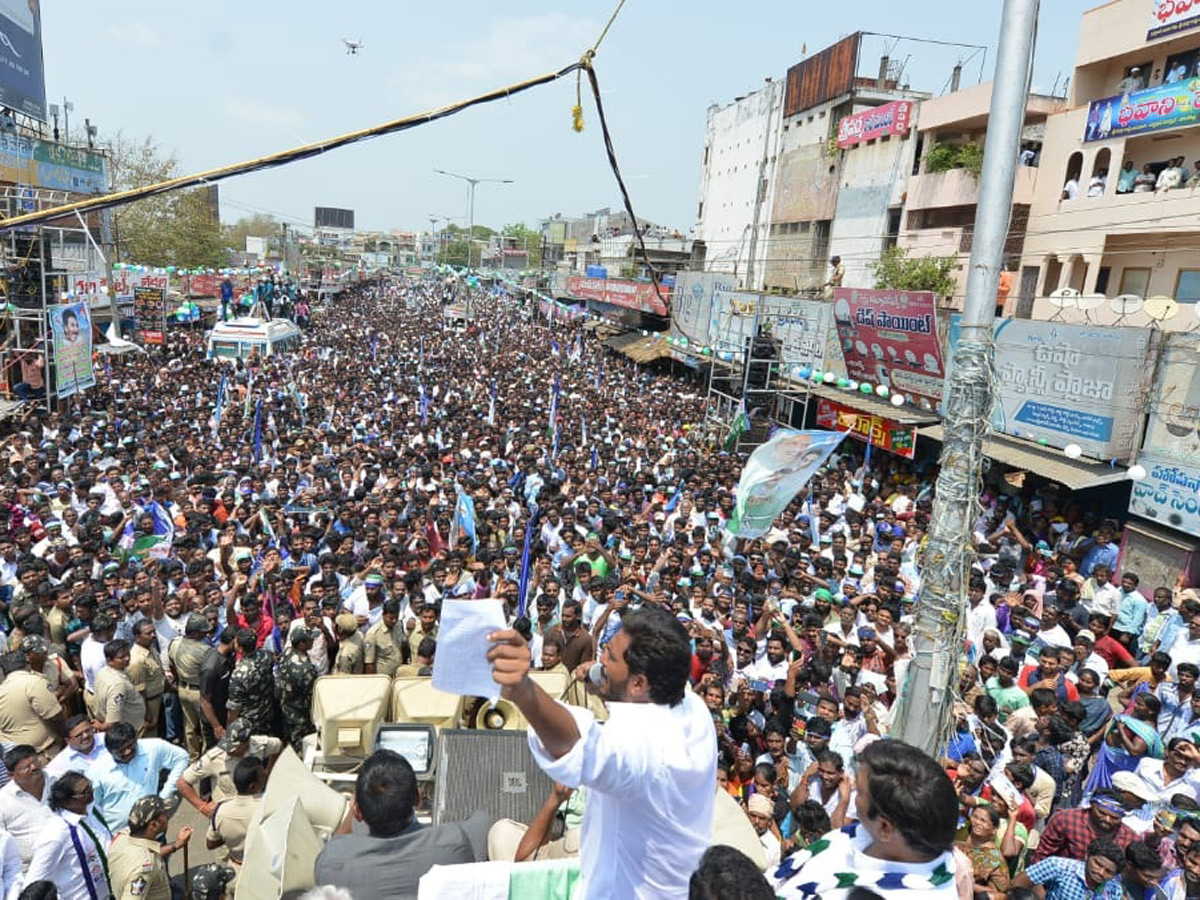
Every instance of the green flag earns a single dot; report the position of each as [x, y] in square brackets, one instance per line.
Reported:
[741, 424]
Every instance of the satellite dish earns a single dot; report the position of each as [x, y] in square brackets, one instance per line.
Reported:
[1064, 298]
[1090, 301]
[1161, 308]
[1126, 304]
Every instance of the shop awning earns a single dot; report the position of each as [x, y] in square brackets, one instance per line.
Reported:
[904, 415]
[640, 349]
[1051, 464]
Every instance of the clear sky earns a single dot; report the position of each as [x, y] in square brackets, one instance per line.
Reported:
[222, 81]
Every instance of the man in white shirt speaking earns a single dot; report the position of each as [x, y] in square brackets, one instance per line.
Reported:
[649, 771]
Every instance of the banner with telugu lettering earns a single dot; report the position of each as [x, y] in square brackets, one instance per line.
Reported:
[890, 118]
[1172, 17]
[1072, 384]
[891, 337]
[879, 432]
[1168, 495]
[1158, 108]
[800, 326]
[71, 330]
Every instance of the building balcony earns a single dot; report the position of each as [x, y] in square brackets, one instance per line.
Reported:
[958, 187]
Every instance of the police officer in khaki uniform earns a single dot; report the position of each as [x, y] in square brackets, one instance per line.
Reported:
[137, 863]
[146, 672]
[350, 653]
[29, 713]
[40, 655]
[116, 698]
[211, 881]
[233, 818]
[219, 763]
[186, 654]
[383, 645]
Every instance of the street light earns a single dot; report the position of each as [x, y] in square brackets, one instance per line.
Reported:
[434, 218]
[471, 182]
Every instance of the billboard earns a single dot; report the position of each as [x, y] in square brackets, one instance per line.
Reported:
[1158, 108]
[800, 326]
[71, 338]
[1173, 16]
[150, 314]
[1073, 384]
[823, 76]
[50, 165]
[22, 80]
[891, 118]
[875, 430]
[691, 302]
[126, 282]
[1173, 425]
[890, 337]
[640, 296]
[332, 217]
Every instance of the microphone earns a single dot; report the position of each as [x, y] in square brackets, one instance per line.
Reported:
[595, 674]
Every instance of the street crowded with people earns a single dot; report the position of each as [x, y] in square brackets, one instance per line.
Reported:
[182, 563]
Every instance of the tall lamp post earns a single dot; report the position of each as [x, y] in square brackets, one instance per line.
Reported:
[471, 182]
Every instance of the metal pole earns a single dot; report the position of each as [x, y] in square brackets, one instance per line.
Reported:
[471, 182]
[926, 695]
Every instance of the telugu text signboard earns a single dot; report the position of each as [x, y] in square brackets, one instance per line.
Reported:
[150, 314]
[891, 338]
[46, 164]
[1158, 108]
[1073, 384]
[640, 296]
[800, 326]
[879, 432]
[1169, 17]
[891, 118]
[1169, 494]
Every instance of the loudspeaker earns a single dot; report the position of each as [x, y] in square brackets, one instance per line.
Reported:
[25, 270]
[489, 770]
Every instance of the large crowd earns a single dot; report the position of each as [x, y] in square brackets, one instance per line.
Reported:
[187, 547]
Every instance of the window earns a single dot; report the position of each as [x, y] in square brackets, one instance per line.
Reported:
[1187, 286]
[700, 210]
[1102, 279]
[1135, 281]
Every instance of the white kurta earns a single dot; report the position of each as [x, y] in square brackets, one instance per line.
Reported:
[650, 773]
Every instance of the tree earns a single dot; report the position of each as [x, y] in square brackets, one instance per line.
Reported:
[454, 244]
[528, 240]
[179, 228]
[257, 225]
[896, 271]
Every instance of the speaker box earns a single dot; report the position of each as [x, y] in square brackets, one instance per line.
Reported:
[489, 770]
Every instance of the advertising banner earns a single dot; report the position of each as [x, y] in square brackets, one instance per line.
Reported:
[891, 118]
[1169, 494]
[1173, 426]
[1073, 384]
[774, 474]
[891, 337]
[150, 314]
[691, 303]
[1158, 108]
[1173, 16]
[46, 164]
[800, 326]
[71, 337]
[22, 80]
[640, 296]
[125, 283]
[882, 433]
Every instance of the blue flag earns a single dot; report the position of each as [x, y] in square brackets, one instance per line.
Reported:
[491, 419]
[523, 578]
[424, 405]
[464, 520]
[674, 501]
[220, 407]
[258, 431]
[595, 459]
[553, 407]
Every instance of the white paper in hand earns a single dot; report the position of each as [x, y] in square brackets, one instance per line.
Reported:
[461, 665]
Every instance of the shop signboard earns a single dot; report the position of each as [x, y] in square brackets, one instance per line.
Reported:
[891, 338]
[1159, 108]
[691, 303]
[800, 326]
[879, 432]
[640, 296]
[891, 118]
[1172, 17]
[1169, 494]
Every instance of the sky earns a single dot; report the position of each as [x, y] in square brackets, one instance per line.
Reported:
[221, 82]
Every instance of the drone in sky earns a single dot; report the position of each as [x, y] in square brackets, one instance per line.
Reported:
[352, 47]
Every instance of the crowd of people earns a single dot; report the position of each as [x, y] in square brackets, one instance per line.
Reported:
[187, 547]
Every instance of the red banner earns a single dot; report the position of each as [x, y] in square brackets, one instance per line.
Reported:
[891, 337]
[636, 295]
[882, 433]
[891, 118]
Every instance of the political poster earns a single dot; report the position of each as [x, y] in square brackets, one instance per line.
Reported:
[150, 314]
[71, 338]
[1165, 106]
[774, 474]
[891, 338]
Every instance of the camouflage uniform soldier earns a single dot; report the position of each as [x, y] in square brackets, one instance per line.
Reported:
[252, 686]
[296, 676]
